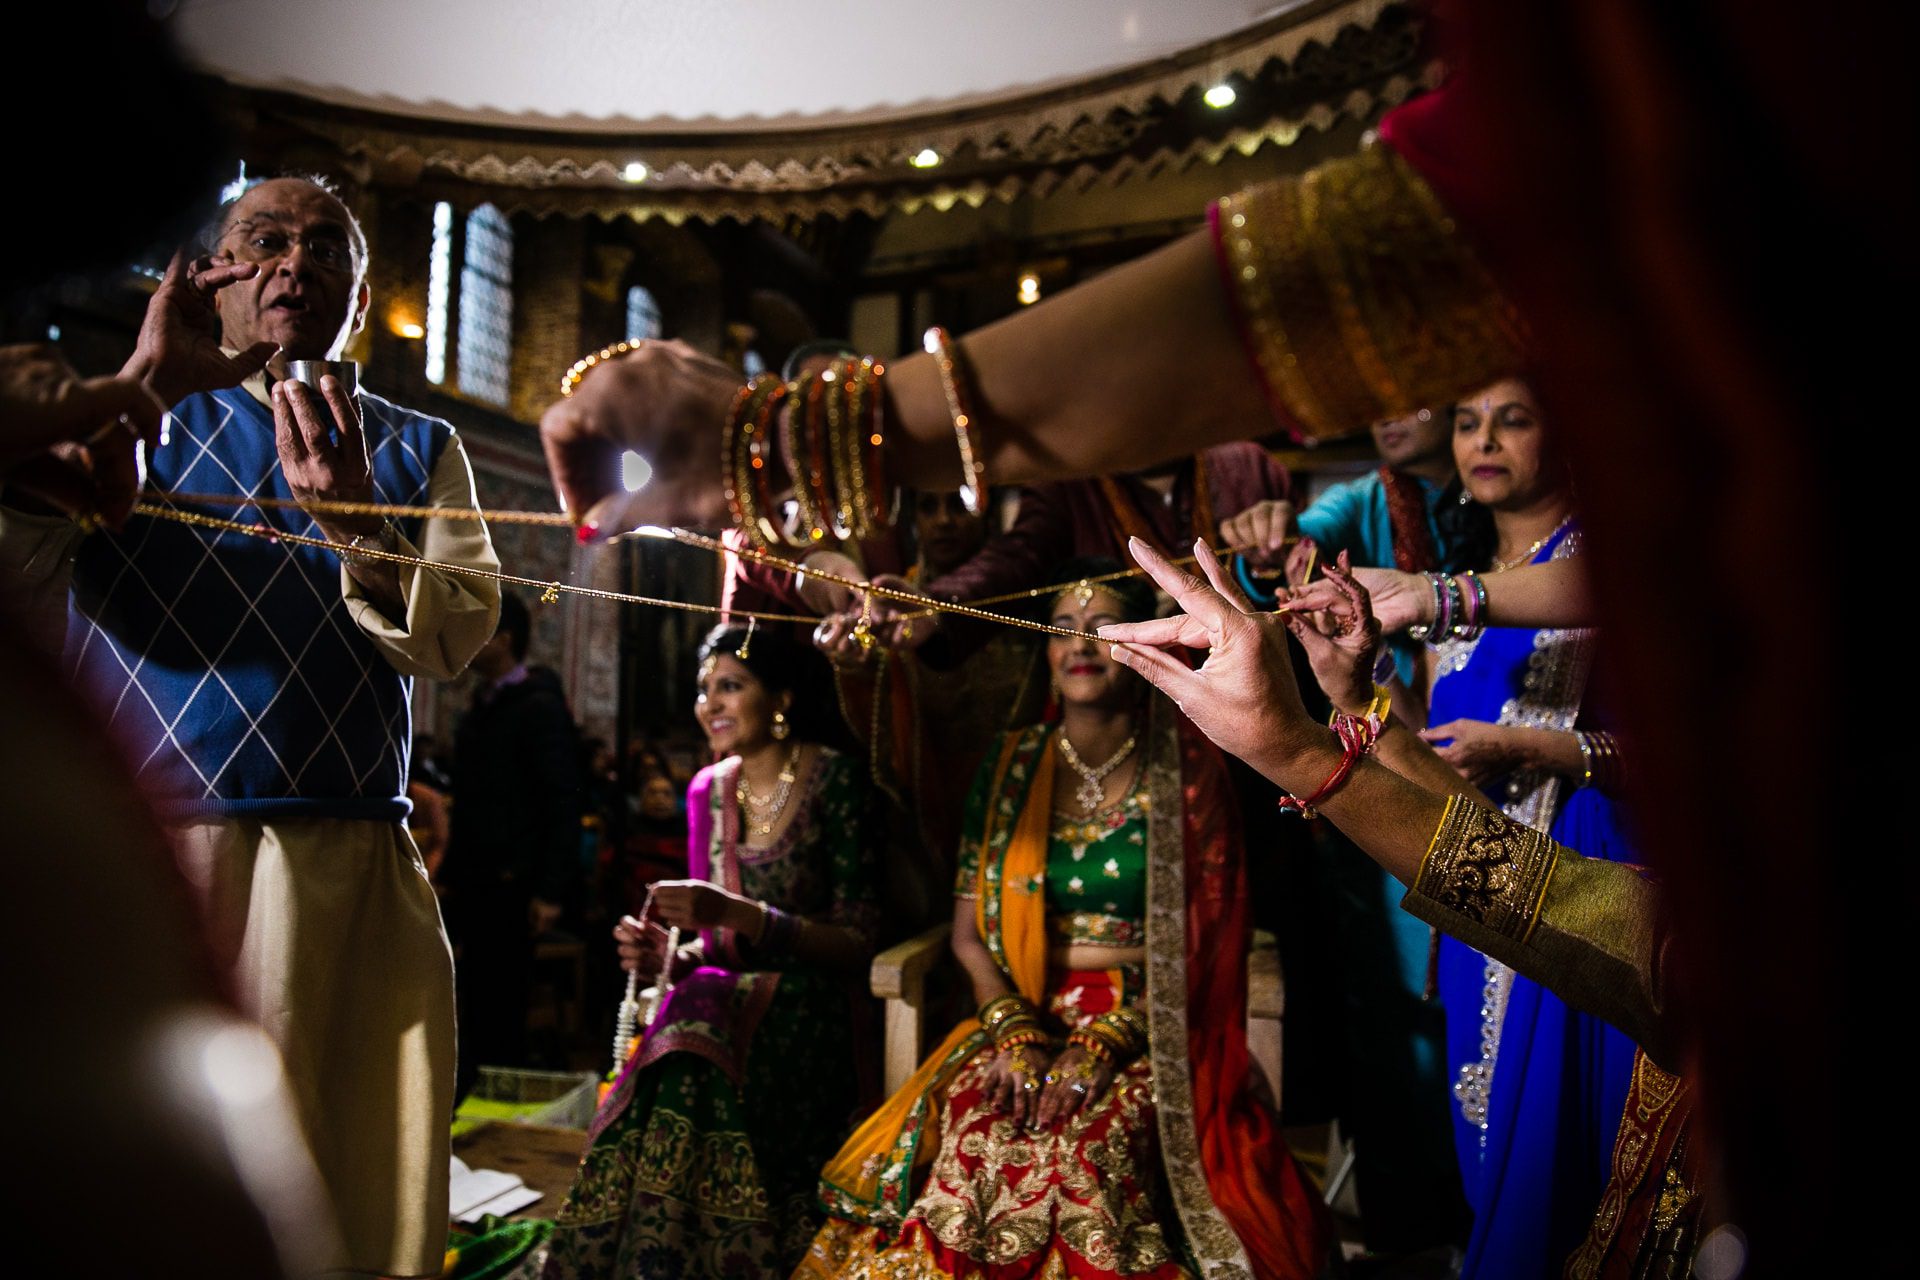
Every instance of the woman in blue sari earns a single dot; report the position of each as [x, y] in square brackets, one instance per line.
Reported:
[1538, 1089]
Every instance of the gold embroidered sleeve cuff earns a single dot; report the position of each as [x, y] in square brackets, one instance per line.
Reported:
[1488, 868]
[1357, 297]
[1587, 929]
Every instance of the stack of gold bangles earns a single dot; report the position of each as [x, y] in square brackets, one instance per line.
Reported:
[825, 435]
[1600, 760]
[1014, 1024]
[1114, 1038]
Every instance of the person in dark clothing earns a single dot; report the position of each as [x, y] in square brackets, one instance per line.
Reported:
[516, 837]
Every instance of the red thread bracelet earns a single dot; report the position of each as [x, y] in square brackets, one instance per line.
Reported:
[1357, 736]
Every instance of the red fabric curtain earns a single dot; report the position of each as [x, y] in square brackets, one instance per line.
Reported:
[1697, 205]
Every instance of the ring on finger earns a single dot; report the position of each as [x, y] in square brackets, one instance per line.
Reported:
[112, 428]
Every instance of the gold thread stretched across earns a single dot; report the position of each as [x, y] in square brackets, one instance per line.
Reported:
[873, 588]
[559, 520]
[332, 507]
[340, 507]
[1054, 588]
[549, 591]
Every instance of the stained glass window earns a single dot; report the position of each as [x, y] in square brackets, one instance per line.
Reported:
[643, 314]
[486, 307]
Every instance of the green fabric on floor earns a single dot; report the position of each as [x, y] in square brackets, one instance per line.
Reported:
[496, 1249]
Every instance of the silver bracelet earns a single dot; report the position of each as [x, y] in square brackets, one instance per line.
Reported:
[385, 538]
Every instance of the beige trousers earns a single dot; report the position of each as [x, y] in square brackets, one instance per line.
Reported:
[333, 939]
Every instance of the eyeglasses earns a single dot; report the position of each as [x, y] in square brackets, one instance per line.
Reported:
[327, 250]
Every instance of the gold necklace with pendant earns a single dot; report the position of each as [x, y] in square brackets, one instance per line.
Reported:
[761, 814]
[1092, 789]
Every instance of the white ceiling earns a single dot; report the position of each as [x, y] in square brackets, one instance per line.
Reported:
[690, 65]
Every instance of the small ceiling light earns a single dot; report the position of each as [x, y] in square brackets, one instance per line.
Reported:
[1029, 289]
[925, 158]
[634, 472]
[410, 330]
[634, 172]
[1220, 96]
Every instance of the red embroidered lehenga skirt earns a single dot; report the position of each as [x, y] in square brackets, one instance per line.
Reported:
[1085, 1198]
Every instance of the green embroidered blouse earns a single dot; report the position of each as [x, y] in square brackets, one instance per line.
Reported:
[1096, 876]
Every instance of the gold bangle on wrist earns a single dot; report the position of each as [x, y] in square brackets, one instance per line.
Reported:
[846, 381]
[839, 464]
[1376, 712]
[738, 446]
[960, 407]
[579, 369]
[797, 436]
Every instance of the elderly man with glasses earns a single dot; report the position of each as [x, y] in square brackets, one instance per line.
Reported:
[262, 688]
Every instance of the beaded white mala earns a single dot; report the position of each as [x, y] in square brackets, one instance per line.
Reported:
[631, 1017]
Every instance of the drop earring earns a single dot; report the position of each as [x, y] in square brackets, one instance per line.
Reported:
[780, 726]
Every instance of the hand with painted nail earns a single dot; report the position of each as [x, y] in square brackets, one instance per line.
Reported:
[1243, 695]
[664, 401]
[70, 442]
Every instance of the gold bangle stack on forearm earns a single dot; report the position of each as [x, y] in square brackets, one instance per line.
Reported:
[1600, 758]
[828, 431]
[1115, 1038]
[829, 442]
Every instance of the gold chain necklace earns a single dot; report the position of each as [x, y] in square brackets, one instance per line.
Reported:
[1501, 566]
[761, 814]
[1092, 791]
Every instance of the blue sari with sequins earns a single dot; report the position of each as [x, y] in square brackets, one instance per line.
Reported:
[1538, 1088]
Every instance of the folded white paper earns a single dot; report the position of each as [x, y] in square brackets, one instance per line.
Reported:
[501, 1205]
[470, 1189]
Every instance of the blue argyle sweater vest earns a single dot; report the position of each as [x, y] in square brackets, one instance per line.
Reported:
[227, 664]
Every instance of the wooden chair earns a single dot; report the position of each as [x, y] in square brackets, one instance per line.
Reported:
[899, 976]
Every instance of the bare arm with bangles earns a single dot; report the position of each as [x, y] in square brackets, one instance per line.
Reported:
[1215, 337]
[1553, 593]
[1100, 377]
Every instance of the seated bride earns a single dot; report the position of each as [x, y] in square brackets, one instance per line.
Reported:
[1095, 1119]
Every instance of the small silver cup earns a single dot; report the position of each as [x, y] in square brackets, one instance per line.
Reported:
[346, 372]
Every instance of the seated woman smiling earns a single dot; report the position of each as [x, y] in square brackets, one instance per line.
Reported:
[703, 1157]
[1094, 1119]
